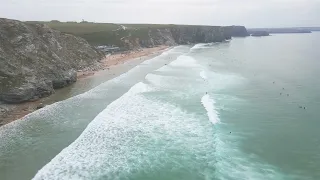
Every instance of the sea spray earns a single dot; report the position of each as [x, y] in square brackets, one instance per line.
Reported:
[208, 104]
[203, 75]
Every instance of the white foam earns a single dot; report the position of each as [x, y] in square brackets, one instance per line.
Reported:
[208, 104]
[129, 134]
[185, 61]
[203, 75]
[198, 46]
[123, 27]
[167, 53]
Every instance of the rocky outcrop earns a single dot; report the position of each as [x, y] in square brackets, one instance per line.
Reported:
[235, 31]
[197, 34]
[259, 33]
[281, 30]
[35, 60]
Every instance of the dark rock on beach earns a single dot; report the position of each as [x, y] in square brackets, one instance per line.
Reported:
[40, 106]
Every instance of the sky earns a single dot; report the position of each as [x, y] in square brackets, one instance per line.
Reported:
[250, 13]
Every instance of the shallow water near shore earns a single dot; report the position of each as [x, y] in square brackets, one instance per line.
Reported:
[227, 110]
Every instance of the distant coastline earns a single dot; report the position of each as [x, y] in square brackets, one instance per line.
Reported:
[283, 30]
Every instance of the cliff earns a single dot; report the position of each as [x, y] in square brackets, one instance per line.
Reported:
[130, 36]
[182, 34]
[35, 60]
[172, 35]
[235, 31]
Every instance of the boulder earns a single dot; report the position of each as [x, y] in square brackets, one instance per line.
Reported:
[40, 106]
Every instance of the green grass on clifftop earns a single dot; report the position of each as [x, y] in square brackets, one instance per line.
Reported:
[103, 33]
[115, 34]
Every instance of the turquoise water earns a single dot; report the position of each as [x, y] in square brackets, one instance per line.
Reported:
[211, 111]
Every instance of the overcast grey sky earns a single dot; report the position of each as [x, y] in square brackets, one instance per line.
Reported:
[251, 13]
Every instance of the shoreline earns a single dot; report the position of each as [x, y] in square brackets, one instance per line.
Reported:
[110, 67]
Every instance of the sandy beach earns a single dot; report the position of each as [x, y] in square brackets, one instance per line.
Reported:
[120, 58]
[111, 67]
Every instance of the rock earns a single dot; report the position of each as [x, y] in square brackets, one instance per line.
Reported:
[40, 106]
[15, 95]
[259, 33]
[235, 31]
[65, 79]
[3, 110]
[35, 60]
[3, 113]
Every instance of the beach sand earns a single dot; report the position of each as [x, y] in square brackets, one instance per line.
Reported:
[111, 67]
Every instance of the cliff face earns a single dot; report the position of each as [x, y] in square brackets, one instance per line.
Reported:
[235, 31]
[130, 36]
[197, 34]
[174, 35]
[35, 60]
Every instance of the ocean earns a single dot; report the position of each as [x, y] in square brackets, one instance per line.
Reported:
[238, 110]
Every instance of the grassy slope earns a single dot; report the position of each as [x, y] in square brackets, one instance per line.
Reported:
[103, 33]
[107, 33]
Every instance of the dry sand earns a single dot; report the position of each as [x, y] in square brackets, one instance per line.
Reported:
[120, 58]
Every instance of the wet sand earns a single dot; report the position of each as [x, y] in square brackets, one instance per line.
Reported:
[111, 67]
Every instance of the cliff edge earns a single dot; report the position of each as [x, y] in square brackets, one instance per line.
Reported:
[132, 36]
[35, 60]
[235, 31]
[172, 35]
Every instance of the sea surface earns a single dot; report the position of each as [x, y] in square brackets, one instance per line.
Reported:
[246, 109]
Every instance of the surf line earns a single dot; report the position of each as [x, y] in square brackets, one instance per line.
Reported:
[209, 105]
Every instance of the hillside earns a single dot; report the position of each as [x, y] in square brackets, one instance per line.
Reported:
[129, 36]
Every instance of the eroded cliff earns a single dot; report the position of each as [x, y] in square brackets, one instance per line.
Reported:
[131, 36]
[35, 60]
[171, 35]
